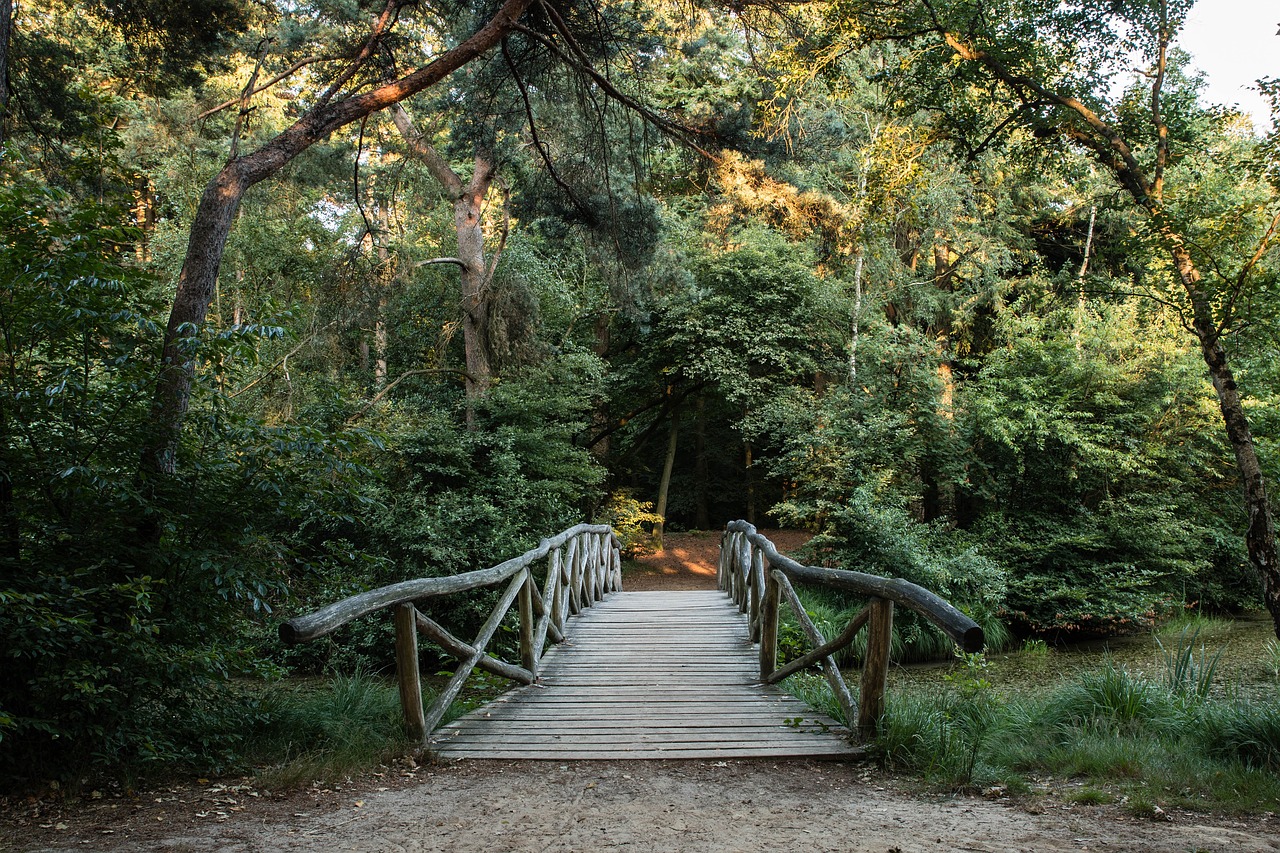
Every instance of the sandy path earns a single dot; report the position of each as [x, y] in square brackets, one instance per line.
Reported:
[688, 560]
[649, 807]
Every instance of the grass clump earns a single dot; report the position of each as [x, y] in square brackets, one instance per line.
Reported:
[1162, 739]
[326, 732]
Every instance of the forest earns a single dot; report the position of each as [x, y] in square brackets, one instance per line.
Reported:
[304, 298]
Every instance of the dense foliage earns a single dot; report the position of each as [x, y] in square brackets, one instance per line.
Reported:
[832, 282]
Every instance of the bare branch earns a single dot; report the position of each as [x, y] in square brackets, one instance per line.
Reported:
[290, 354]
[376, 398]
[245, 94]
[300, 64]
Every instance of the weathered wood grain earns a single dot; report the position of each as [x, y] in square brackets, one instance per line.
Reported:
[875, 667]
[407, 675]
[967, 634]
[617, 690]
[328, 619]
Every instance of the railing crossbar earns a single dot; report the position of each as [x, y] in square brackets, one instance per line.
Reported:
[583, 565]
[842, 640]
[829, 668]
[756, 576]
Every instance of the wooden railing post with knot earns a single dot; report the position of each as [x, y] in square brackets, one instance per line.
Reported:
[584, 564]
[759, 578]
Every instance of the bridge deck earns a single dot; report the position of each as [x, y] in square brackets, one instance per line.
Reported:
[648, 675]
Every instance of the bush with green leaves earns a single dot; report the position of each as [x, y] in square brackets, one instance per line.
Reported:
[1100, 477]
[125, 596]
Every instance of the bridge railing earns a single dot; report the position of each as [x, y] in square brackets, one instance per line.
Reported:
[758, 578]
[583, 565]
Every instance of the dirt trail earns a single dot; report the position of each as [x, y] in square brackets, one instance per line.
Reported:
[649, 807]
[688, 560]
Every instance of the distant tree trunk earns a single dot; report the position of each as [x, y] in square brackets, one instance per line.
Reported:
[6, 26]
[600, 417]
[380, 319]
[476, 274]
[751, 485]
[702, 519]
[9, 513]
[211, 225]
[664, 487]
[144, 215]
[939, 488]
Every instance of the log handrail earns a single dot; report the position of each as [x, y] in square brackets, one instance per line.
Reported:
[759, 578]
[584, 564]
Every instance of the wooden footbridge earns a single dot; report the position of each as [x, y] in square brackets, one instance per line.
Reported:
[608, 674]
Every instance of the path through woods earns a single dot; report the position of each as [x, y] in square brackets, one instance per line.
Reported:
[708, 806]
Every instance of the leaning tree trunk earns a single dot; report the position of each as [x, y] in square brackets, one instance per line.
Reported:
[664, 487]
[1260, 537]
[6, 26]
[212, 223]
[1114, 152]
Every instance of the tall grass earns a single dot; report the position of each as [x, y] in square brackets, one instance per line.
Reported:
[1185, 673]
[1164, 738]
[1167, 738]
[349, 723]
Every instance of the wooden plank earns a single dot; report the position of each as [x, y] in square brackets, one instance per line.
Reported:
[648, 675]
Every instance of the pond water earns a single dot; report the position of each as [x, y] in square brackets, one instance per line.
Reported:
[1245, 663]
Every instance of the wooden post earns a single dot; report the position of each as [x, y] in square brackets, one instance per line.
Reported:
[407, 672]
[875, 667]
[757, 592]
[769, 627]
[742, 573]
[528, 653]
[573, 575]
[554, 592]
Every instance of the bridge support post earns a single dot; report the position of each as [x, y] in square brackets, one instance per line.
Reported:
[415, 722]
[769, 626]
[528, 654]
[875, 667]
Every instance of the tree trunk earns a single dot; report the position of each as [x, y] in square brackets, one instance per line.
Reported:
[6, 26]
[380, 339]
[751, 485]
[702, 518]
[468, 226]
[212, 223]
[600, 416]
[1260, 537]
[475, 277]
[12, 533]
[664, 487]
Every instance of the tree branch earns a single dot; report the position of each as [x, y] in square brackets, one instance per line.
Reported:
[458, 261]
[402, 377]
[300, 64]
[436, 165]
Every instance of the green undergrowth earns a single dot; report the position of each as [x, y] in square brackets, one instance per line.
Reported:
[1175, 738]
[291, 733]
